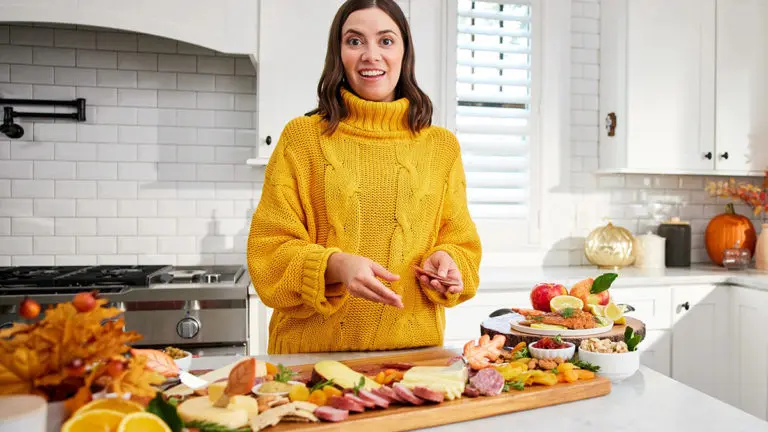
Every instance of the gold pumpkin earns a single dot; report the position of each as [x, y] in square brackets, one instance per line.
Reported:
[610, 246]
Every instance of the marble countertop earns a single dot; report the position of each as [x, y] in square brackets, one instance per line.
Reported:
[648, 401]
[524, 278]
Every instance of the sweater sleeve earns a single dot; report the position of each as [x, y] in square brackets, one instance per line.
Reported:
[458, 237]
[287, 269]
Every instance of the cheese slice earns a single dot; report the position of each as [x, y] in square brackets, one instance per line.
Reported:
[215, 390]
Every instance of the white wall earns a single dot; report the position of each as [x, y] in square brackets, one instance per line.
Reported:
[155, 175]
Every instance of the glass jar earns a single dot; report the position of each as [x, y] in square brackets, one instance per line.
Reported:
[736, 258]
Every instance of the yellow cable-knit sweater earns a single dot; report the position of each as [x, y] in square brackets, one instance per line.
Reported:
[372, 189]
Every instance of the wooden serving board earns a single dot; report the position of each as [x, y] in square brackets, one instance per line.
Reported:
[500, 325]
[398, 418]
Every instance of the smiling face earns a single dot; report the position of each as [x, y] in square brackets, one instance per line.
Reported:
[372, 50]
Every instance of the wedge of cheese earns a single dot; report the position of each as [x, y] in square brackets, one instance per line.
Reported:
[449, 380]
[234, 416]
[215, 390]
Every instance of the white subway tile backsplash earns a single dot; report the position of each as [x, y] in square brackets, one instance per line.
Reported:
[96, 59]
[156, 168]
[32, 188]
[34, 226]
[137, 61]
[75, 226]
[155, 44]
[74, 39]
[114, 41]
[177, 63]
[31, 74]
[96, 208]
[54, 207]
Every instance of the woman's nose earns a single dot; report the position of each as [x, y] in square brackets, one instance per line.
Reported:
[371, 54]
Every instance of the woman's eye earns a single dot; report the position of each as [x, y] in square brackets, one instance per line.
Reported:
[354, 41]
[387, 41]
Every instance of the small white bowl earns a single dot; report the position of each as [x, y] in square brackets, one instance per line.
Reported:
[256, 388]
[614, 366]
[546, 354]
[185, 362]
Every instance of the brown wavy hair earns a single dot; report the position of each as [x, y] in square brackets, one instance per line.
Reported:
[331, 106]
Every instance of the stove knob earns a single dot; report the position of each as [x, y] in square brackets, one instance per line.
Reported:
[188, 327]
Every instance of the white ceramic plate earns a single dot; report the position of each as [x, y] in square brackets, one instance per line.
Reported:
[515, 324]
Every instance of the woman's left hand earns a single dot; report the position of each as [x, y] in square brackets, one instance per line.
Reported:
[444, 266]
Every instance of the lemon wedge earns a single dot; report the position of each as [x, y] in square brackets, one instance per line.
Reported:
[548, 326]
[565, 301]
[613, 312]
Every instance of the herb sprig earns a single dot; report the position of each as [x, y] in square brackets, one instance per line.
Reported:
[359, 386]
[284, 374]
[632, 339]
[586, 365]
[521, 353]
[204, 426]
[567, 312]
[321, 384]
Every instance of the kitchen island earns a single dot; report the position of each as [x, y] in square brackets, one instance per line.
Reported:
[648, 401]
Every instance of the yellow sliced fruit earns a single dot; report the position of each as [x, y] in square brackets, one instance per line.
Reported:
[143, 422]
[621, 321]
[565, 301]
[613, 312]
[548, 326]
[114, 404]
[603, 321]
[96, 420]
[597, 310]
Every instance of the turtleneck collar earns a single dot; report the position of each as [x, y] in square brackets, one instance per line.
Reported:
[375, 117]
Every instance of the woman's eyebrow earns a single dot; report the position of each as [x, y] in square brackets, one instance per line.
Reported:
[380, 32]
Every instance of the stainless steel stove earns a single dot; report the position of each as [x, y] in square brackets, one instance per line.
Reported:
[201, 309]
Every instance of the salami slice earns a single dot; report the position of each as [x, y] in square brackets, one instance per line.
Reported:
[345, 403]
[372, 397]
[470, 391]
[488, 382]
[428, 394]
[404, 393]
[390, 393]
[361, 401]
[331, 414]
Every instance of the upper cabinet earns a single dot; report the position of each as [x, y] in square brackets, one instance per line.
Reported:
[230, 26]
[682, 87]
[293, 40]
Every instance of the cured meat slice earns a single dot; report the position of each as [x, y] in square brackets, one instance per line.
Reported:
[361, 401]
[390, 393]
[371, 397]
[470, 391]
[407, 394]
[345, 403]
[398, 366]
[488, 381]
[428, 395]
[382, 395]
[331, 414]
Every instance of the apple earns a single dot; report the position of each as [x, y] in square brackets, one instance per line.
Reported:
[542, 293]
[594, 291]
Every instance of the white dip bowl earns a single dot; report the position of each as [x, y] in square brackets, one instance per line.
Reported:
[614, 366]
[548, 353]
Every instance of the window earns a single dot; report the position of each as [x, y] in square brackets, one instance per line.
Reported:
[491, 81]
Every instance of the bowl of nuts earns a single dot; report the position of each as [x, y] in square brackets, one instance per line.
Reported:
[617, 360]
[183, 359]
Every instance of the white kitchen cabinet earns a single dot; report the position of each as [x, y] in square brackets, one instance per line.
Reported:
[748, 351]
[230, 26]
[293, 38]
[742, 85]
[258, 326]
[657, 77]
[700, 331]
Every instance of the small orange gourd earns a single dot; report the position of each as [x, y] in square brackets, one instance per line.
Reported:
[726, 230]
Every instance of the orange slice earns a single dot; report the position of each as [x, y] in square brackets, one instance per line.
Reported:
[115, 404]
[97, 420]
[143, 422]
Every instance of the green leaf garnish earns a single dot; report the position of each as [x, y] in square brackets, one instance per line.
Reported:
[166, 411]
[517, 385]
[321, 384]
[359, 386]
[602, 282]
[558, 339]
[631, 339]
[586, 365]
[205, 426]
[523, 353]
[567, 312]
[284, 374]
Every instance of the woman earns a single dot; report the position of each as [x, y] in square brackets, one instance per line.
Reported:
[357, 193]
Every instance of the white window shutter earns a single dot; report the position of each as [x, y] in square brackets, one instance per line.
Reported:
[492, 115]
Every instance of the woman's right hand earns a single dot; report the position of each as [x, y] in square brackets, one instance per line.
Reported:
[358, 274]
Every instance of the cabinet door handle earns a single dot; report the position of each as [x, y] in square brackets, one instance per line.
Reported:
[610, 124]
[724, 155]
[708, 155]
[268, 140]
[682, 306]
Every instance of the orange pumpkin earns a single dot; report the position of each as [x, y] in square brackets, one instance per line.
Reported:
[725, 230]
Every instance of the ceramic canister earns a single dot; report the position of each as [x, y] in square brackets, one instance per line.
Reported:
[678, 244]
[650, 251]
